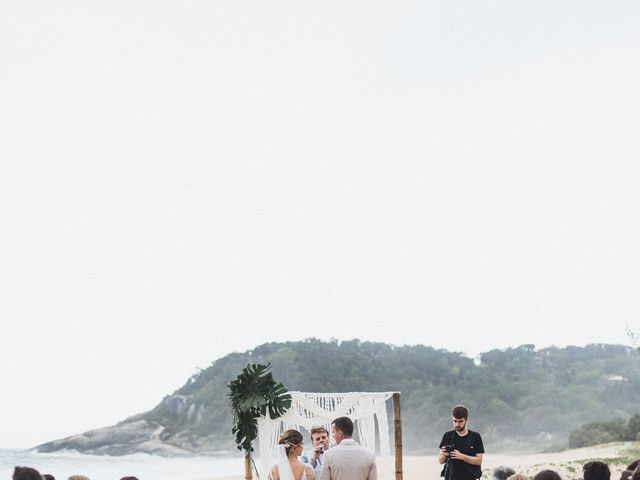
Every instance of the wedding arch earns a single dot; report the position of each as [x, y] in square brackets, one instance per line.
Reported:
[368, 410]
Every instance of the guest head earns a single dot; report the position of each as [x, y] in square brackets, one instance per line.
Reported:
[547, 475]
[342, 428]
[292, 441]
[48, 476]
[78, 477]
[129, 478]
[596, 471]
[502, 473]
[626, 474]
[26, 473]
[518, 476]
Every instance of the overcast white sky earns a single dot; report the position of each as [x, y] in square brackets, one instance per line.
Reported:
[180, 180]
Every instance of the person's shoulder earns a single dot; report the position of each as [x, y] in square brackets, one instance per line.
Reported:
[364, 450]
[371, 457]
[448, 435]
[475, 437]
[330, 454]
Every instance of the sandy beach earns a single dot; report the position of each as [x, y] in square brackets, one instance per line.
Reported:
[568, 463]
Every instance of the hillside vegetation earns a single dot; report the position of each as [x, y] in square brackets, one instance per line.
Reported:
[517, 397]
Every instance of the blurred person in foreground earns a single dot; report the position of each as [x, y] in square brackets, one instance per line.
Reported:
[518, 476]
[547, 475]
[626, 474]
[502, 473]
[631, 469]
[26, 473]
[596, 471]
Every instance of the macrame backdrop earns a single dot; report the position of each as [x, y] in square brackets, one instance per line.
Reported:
[311, 409]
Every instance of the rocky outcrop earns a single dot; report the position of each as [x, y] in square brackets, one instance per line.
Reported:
[147, 433]
[122, 439]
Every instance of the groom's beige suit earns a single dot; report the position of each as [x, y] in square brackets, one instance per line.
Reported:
[348, 461]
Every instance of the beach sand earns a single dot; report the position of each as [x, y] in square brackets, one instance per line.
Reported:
[567, 463]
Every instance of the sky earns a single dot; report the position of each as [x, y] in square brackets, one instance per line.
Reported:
[182, 180]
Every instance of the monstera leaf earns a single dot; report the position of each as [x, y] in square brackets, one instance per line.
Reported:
[253, 394]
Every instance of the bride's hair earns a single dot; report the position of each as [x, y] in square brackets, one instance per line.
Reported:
[290, 439]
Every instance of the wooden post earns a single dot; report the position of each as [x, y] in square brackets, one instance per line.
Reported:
[248, 475]
[397, 424]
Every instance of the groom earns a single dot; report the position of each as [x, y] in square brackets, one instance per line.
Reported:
[347, 460]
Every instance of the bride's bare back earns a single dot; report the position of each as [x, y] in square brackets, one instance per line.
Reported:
[299, 470]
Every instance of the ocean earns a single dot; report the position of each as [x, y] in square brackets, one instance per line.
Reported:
[146, 467]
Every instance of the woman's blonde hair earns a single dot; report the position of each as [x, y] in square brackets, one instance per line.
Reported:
[290, 439]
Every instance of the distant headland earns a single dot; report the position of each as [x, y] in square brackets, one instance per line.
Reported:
[515, 395]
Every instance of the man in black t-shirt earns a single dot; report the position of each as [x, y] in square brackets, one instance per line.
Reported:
[461, 449]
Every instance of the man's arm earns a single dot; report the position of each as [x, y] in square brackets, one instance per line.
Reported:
[325, 471]
[479, 450]
[308, 459]
[314, 455]
[373, 471]
[477, 460]
[442, 456]
[310, 472]
[274, 474]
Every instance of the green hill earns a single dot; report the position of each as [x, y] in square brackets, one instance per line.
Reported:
[518, 396]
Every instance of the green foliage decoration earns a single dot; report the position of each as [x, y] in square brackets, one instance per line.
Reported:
[253, 394]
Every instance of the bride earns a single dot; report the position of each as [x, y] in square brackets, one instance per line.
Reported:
[288, 466]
